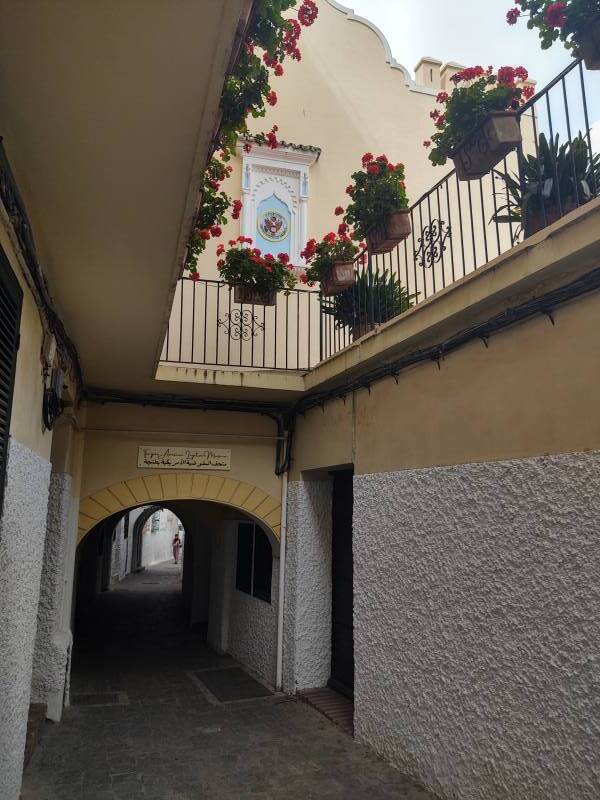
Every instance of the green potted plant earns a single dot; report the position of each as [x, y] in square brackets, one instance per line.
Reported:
[379, 208]
[331, 261]
[576, 23]
[256, 279]
[556, 180]
[479, 125]
[371, 300]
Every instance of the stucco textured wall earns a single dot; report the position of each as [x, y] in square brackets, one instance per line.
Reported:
[22, 534]
[307, 621]
[253, 630]
[477, 625]
[53, 645]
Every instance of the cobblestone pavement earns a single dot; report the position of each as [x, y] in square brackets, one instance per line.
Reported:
[171, 741]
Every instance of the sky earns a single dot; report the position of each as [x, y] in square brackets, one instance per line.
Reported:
[452, 31]
[469, 32]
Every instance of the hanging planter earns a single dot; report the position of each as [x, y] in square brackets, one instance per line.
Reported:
[379, 208]
[479, 125]
[588, 44]
[493, 140]
[250, 295]
[395, 228]
[336, 278]
[331, 261]
[254, 278]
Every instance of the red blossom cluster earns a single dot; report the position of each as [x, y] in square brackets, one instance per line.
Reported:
[308, 13]
[272, 98]
[375, 166]
[555, 16]
[236, 209]
[512, 15]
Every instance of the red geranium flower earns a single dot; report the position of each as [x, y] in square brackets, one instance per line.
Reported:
[512, 15]
[308, 12]
[216, 230]
[350, 190]
[555, 16]
[284, 258]
[220, 249]
[339, 211]
[272, 98]
[367, 158]
[237, 207]
[194, 276]
[373, 169]
[278, 70]
[205, 234]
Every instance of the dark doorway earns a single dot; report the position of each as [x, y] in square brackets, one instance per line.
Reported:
[342, 633]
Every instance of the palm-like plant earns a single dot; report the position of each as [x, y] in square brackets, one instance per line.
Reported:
[554, 181]
[371, 300]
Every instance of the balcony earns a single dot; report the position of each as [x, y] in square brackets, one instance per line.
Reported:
[457, 228]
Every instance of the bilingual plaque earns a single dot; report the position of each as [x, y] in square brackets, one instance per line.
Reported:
[194, 458]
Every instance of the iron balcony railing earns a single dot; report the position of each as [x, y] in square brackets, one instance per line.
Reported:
[457, 227]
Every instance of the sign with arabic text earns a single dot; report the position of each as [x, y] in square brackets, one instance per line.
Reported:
[197, 458]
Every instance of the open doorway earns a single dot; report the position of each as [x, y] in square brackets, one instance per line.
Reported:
[342, 586]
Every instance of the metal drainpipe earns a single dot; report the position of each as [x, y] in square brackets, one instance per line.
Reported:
[281, 595]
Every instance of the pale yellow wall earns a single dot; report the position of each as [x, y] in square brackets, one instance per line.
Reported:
[534, 391]
[26, 421]
[344, 98]
[111, 479]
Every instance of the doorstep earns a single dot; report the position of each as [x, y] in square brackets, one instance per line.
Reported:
[337, 708]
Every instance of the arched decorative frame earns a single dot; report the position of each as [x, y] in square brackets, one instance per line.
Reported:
[160, 488]
[284, 173]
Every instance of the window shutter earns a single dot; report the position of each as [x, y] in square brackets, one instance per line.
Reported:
[11, 298]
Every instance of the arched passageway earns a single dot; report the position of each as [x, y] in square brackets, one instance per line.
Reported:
[223, 594]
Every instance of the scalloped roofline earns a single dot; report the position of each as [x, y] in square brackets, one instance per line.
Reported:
[389, 56]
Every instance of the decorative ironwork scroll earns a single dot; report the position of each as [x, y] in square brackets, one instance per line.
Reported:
[432, 243]
[241, 325]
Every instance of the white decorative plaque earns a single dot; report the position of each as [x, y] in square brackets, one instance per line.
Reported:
[152, 457]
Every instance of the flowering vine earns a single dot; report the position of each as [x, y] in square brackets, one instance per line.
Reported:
[566, 20]
[246, 94]
[484, 91]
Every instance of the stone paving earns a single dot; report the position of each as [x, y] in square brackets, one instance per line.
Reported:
[172, 741]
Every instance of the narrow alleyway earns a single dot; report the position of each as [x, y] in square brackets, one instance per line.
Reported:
[148, 728]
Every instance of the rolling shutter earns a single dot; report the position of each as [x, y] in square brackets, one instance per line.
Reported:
[11, 298]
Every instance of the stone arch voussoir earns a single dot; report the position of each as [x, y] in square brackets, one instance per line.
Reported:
[168, 486]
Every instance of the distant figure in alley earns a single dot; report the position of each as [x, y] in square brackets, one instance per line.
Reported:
[176, 547]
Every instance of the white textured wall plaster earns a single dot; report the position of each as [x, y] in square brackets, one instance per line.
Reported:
[253, 630]
[53, 639]
[307, 619]
[477, 626]
[22, 534]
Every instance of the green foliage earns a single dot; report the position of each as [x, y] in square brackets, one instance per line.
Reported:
[245, 267]
[578, 14]
[378, 191]
[378, 298]
[564, 171]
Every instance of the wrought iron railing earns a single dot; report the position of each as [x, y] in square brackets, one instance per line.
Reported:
[208, 327]
[457, 227]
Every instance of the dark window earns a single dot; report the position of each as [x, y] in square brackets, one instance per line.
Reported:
[243, 577]
[254, 562]
[11, 298]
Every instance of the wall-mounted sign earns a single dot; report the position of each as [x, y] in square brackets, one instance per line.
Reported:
[152, 457]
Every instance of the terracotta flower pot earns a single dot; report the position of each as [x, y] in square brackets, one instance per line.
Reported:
[588, 43]
[394, 229]
[361, 326]
[492, 141]
[538, 220]
[338, 277]
[250, 295]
